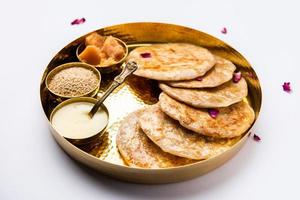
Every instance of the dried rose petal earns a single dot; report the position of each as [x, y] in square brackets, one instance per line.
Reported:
[237, 76]
[146, 55]
[200, 78]
[256, 138]
[251, 74]
[287, 87]
[224, 30]
[78, 21]
[213, 113]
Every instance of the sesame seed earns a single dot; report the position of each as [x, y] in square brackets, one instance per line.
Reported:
[74, 81]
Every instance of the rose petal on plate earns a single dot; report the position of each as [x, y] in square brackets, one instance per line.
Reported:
[237, 76]
[287, 87]
[78, 21]
[213, 113]
[146, 55]
[250, 74]
[200, 78]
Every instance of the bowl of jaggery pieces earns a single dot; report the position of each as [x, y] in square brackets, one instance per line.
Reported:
[106, 53]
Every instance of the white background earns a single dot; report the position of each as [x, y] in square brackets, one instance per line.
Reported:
[32, 166]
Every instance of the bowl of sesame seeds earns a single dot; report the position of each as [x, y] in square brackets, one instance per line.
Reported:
[74, 79]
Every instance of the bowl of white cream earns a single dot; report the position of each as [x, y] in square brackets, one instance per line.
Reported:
[72, 121]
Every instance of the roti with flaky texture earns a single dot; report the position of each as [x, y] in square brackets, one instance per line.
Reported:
[171, 137]
[230, 122]
[138, 150]
[221, 96]
[172, 61]
[219, 74]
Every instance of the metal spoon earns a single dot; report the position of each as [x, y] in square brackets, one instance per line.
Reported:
[128, 69]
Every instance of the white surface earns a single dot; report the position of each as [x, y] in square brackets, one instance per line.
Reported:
[32, 165]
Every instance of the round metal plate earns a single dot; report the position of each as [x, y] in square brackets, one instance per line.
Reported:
[137, 92]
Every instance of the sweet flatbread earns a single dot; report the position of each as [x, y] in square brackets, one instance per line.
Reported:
[219, 74]
[171, 137]
[139, 151]
[172, 61]
[231, 121]
[222, 96]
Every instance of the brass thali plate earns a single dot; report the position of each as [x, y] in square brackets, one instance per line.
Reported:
[137, 92]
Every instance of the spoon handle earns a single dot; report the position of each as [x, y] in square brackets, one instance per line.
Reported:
[129, 68]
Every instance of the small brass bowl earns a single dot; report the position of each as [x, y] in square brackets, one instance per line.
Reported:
[109, 68]
[91, 93]
[85, 140]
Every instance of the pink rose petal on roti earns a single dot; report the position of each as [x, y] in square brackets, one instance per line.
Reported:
[200, 78]
[213, 113]
[146, 55]
[237, 76]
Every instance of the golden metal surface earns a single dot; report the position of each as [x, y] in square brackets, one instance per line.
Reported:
[138, 92]
[127, 70]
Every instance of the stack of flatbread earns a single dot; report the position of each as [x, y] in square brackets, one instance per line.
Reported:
[180, 128]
